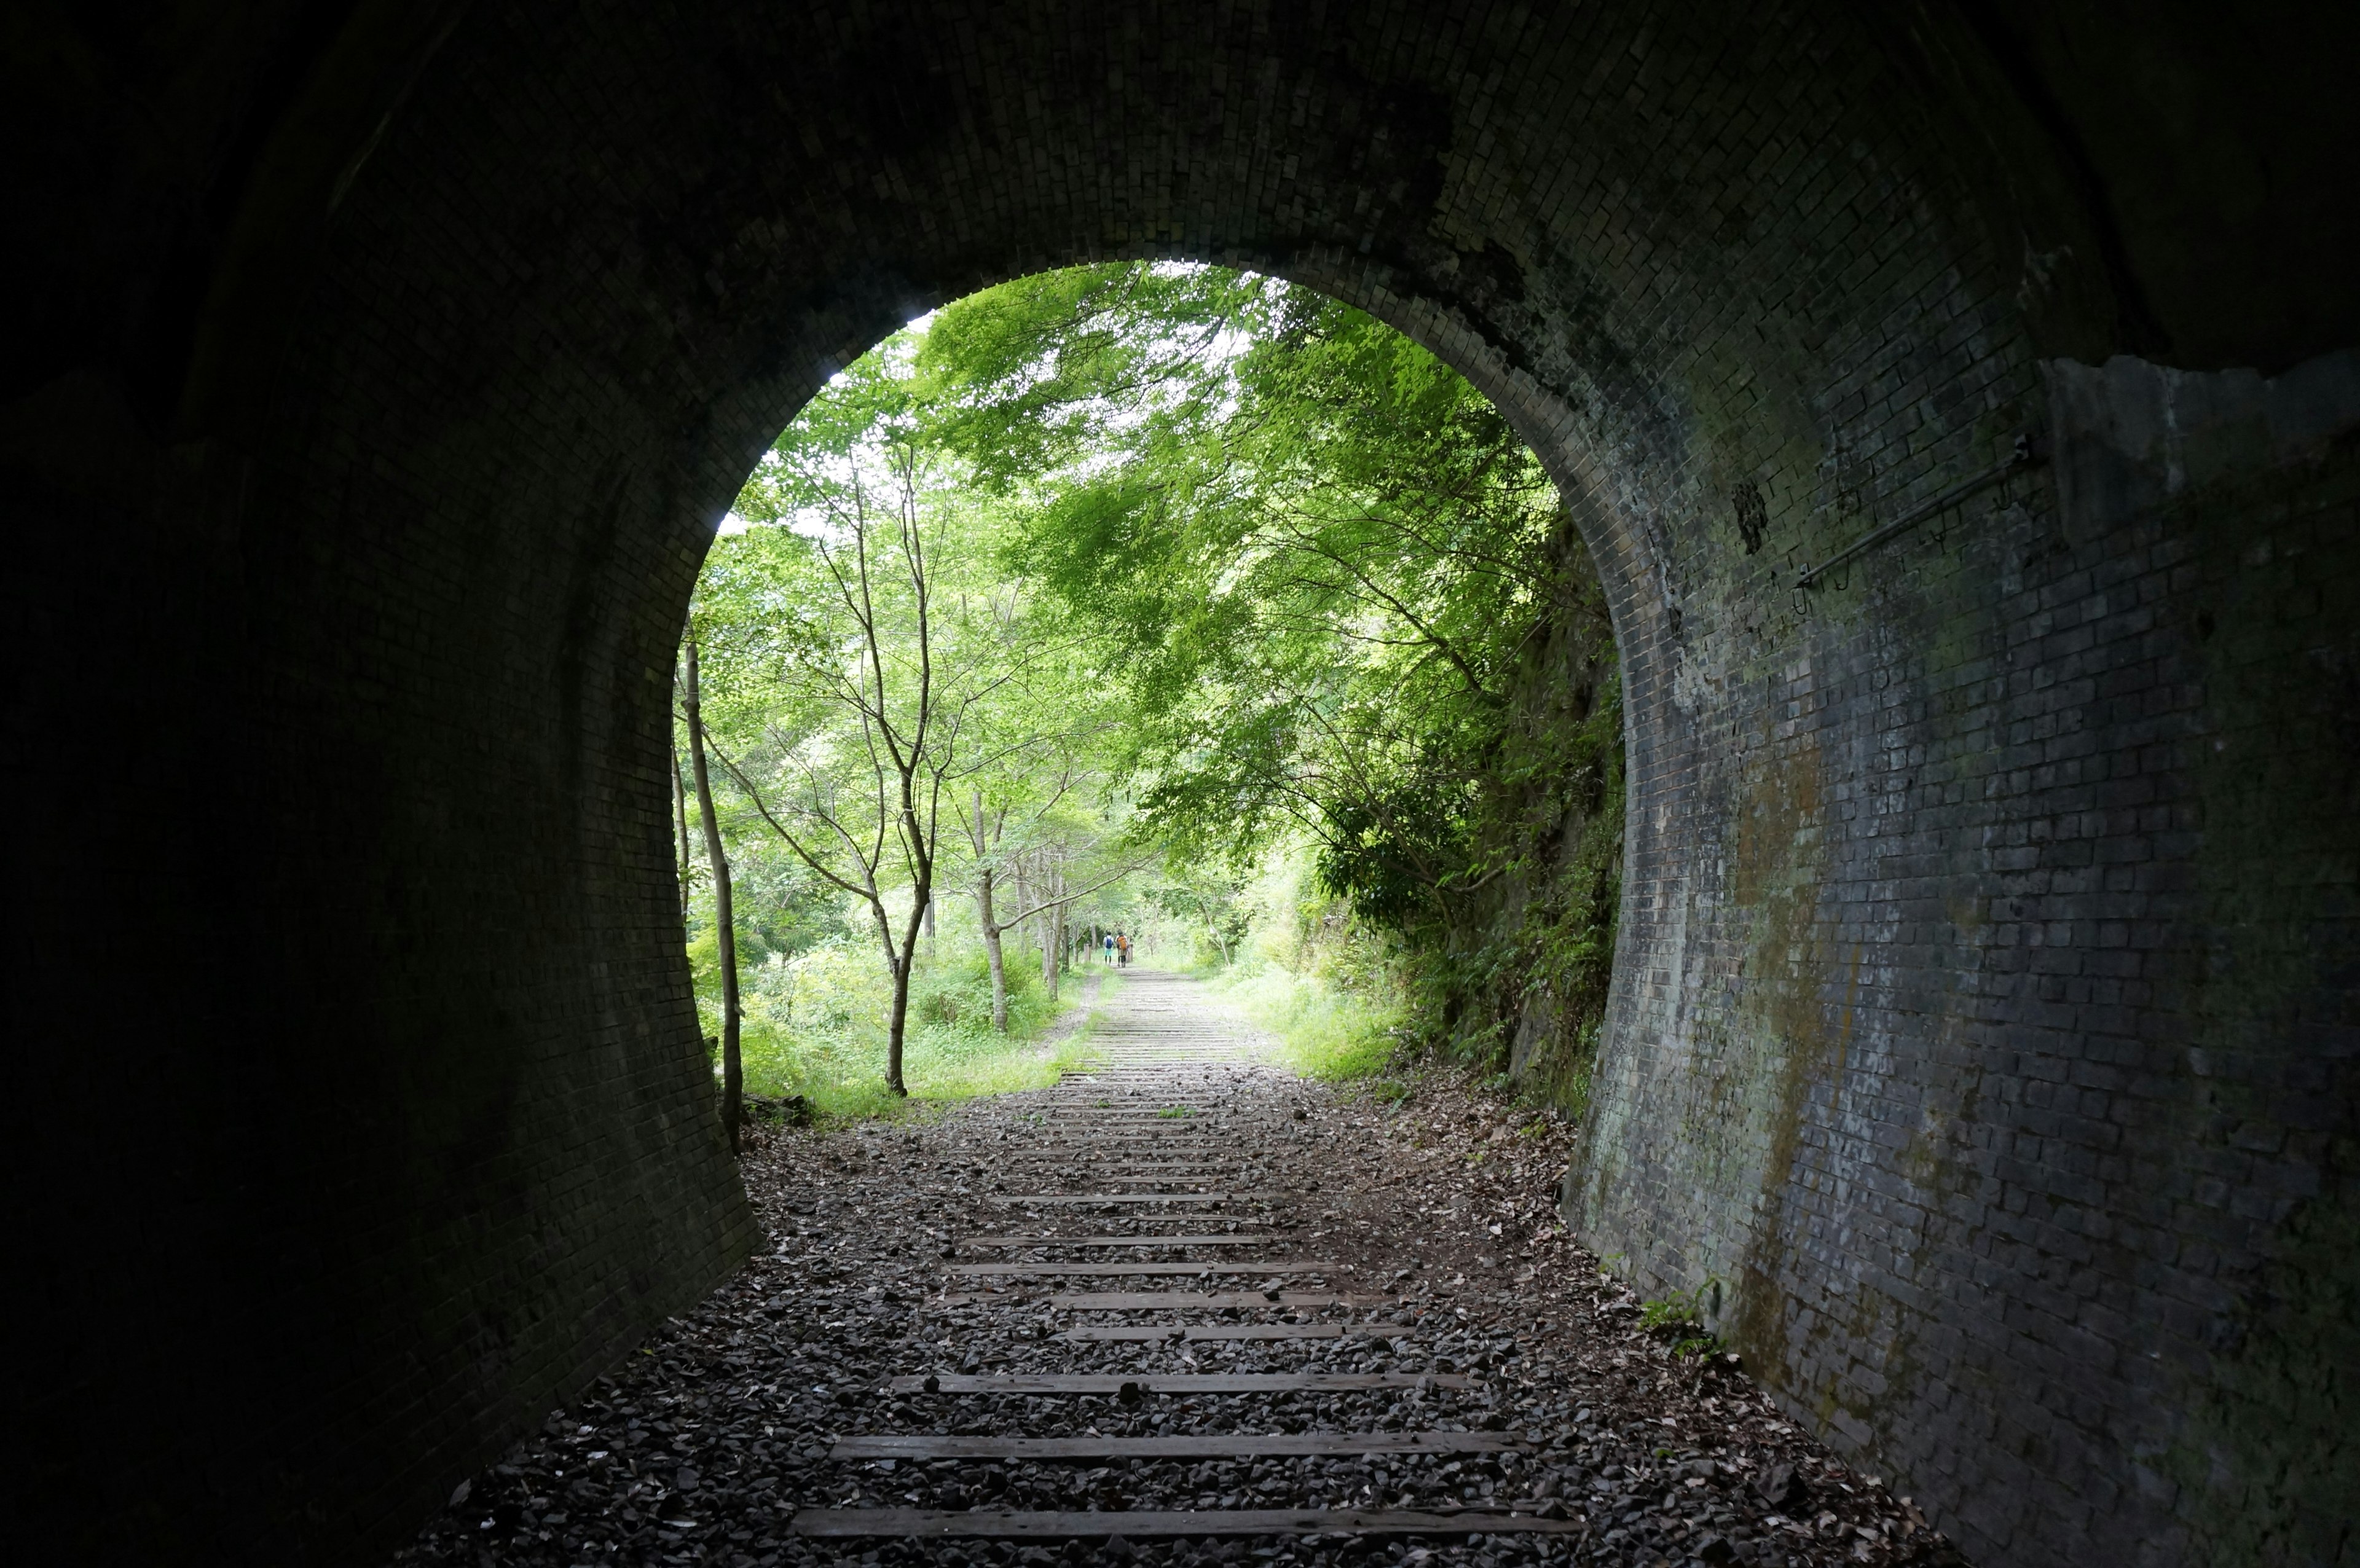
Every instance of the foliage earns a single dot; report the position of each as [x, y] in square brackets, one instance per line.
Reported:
[816, 1027]
[1314, 551]
[1553, 829]
[1679, 1318]
[1215, 607]
[875, 673]
[1315, 975]
[1350, 613]
[1326, 1030]
[1207, 903]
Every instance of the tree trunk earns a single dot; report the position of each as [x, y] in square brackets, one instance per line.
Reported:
[991, 952]
[1052, 943]
[898, 1030]
[904, 962]
[983, 839]
[679, 810]
[902, 954]
[725, 923]
[1024, 902]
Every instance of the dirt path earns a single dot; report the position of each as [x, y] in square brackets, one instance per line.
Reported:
[1182, 1307]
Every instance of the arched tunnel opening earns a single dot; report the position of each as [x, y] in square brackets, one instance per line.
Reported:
[1956, 403]
[1145, 608]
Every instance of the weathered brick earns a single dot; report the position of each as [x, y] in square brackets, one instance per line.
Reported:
[2010, 867]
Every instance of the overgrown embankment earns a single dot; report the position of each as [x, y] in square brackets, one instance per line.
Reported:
[1507, 971]
[1520, 985]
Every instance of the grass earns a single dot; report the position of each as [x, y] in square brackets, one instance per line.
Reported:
[1324, 1030]
[850, 1084]
[1679, 1318]
[817, 1029]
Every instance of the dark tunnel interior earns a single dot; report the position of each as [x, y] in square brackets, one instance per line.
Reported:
[375, 376]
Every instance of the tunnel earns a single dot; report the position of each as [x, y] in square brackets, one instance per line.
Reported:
[1957, 398]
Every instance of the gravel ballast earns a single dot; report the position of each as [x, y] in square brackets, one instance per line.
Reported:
[1424, 1262]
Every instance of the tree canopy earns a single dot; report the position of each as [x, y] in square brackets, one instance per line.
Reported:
[1138, 560]
[1310, 551]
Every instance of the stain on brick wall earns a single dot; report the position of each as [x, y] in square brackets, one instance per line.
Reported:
[2003, 1068]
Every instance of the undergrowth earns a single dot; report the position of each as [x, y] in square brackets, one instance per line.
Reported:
[1509, 982]
[1680, 1319]
[815, 1027]
[1325, 1030]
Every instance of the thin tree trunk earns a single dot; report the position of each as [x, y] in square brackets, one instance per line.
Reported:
[1053, 935]
[991, 951]
[897, 1032]
[1024, 926]
[989, 922]
[679, 810]
[903, 957]
[1213, 930]
[733, 1070]
[1053, 945]
[901, 960]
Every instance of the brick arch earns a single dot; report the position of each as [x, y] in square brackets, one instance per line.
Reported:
[1915, 873]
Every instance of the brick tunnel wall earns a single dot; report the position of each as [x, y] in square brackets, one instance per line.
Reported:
[1982, 1029]
[1982, 1020]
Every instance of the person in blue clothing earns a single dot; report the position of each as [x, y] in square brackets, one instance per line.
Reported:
[1108, 946]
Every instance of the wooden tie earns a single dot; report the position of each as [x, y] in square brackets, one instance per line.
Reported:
[1089, 1524]
[1107, 1133]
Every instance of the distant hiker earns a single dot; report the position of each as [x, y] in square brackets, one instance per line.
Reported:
[1109, 947]
[1122, 948]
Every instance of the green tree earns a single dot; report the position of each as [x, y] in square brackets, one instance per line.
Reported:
[725, 921]
[1314, 552]
[1345, 602]
[1151, 558]
[883, 678]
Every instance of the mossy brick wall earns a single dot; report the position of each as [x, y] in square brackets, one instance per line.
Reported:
[1985, 1043]
[1975, 1024]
